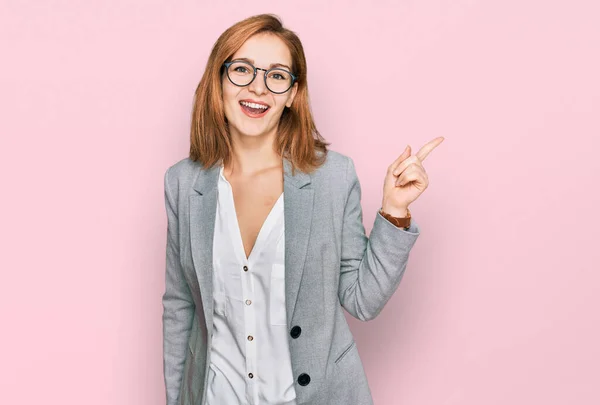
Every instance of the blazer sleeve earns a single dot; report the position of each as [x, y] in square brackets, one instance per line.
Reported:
[371, 267]
[178, 305]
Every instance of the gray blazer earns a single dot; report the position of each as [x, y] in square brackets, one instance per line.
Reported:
[329, 264]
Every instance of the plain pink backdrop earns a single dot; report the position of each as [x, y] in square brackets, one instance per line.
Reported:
[500, 303]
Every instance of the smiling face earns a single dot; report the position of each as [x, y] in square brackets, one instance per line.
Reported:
[245, 106]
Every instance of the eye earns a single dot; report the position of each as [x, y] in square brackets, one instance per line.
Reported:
[279, 75]
[240, 68]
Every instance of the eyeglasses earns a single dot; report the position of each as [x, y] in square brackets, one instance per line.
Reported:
[243, 73]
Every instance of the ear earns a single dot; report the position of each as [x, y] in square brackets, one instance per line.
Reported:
[292, 95]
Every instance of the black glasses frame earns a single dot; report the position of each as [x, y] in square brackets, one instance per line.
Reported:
[256, 69]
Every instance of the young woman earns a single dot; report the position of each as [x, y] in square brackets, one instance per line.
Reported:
[266, 243]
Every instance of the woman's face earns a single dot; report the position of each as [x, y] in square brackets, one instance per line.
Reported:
[263, 51]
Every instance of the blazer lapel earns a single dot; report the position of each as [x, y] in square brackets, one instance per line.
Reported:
[203, 209]
[298, 207]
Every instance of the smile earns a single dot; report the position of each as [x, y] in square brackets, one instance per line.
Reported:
[254, 110]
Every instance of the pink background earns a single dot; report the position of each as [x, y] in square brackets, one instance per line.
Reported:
[500, 303]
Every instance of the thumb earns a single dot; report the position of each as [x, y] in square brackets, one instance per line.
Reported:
[405, 155]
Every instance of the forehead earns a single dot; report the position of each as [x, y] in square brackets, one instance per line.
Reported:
[264, 50]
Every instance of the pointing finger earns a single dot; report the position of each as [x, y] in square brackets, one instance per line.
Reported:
[428, 147]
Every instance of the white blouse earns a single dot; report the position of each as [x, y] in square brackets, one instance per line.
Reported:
[250, 358]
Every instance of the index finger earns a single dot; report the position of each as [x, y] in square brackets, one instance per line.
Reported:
[428, 147]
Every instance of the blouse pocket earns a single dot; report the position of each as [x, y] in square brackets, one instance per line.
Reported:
[277, 295]
[220, 303]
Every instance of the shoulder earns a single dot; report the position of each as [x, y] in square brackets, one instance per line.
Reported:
[337, 167]
[182, 168]
[336, 164]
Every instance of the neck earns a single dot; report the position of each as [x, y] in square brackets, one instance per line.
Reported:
[253, 154]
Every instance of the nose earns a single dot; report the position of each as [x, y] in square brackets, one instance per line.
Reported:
[258, 85]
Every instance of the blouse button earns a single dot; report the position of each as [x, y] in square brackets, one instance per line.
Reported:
[250, 338]
[245, 268]
[250, 375]
[248, 302]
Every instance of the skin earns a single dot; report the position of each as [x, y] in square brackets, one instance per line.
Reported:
[256, 171]
[253, 138]
[406, 179]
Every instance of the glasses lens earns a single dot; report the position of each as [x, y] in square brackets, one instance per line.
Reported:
[241, 73]
[279, 80]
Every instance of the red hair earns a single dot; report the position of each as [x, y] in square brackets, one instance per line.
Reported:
[297, 136]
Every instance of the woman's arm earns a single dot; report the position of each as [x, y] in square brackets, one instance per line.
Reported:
[371, 268]
[178, 306]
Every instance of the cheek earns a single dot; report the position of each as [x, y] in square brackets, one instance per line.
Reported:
[280, 103]
[229, 90]
[229, 100]
[228, 95]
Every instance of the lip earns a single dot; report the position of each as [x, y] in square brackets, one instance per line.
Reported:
[249, 114]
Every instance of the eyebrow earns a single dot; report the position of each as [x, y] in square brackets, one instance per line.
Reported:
[272, 65]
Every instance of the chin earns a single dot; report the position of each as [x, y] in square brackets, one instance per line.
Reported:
[246, 130]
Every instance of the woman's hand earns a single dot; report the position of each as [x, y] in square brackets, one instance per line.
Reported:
[406, 179]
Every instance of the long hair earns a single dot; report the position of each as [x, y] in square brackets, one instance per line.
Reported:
[297, 136]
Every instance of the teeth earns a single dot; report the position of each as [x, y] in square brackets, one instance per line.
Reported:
[253, 105]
